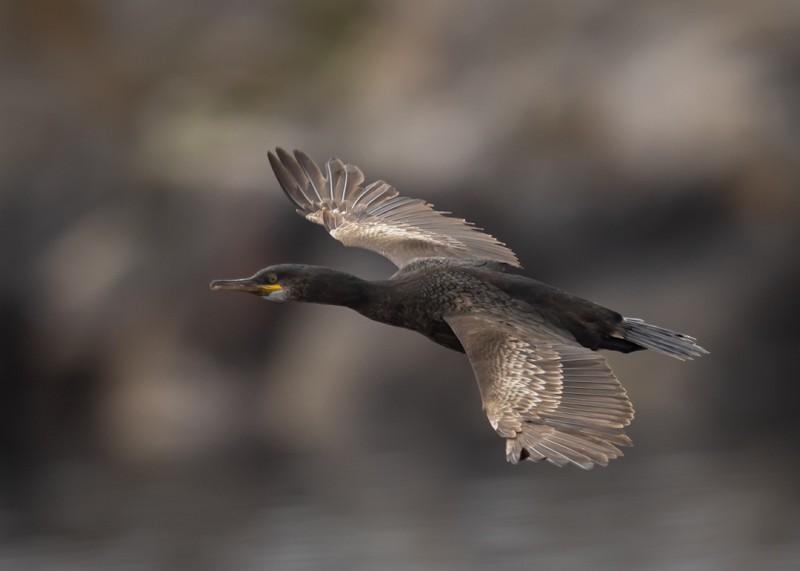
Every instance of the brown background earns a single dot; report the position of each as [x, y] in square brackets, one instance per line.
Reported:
[645, 155]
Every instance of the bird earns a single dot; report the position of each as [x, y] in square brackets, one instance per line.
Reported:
[533, 348]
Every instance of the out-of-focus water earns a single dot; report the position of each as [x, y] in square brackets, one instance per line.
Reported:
[400, 511]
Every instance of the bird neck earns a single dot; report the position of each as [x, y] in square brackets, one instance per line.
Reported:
[337, 288]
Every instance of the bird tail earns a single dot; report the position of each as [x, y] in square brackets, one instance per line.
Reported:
[670, 343]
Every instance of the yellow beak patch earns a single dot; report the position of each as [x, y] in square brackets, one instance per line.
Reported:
[265, 289]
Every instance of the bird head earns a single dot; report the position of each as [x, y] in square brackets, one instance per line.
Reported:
[273, 283]
[298, 282]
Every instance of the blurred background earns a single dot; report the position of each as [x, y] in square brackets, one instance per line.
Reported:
[645, 155]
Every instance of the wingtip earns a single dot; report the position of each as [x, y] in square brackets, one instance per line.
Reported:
[562, 447]
[273, 159]
[286, 172]
[300, 156]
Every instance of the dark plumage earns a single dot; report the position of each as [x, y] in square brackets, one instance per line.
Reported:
[532, 346]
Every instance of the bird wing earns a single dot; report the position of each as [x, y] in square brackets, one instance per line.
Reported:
[548, 396]
[376, 217]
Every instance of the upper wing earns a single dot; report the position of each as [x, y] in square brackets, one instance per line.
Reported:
[548, 396]
[375, 217]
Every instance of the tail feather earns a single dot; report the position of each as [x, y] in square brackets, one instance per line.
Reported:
[670, 343]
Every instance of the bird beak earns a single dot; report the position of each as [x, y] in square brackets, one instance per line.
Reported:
[246, 284]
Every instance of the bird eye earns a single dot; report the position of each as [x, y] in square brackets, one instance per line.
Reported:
[272, 278]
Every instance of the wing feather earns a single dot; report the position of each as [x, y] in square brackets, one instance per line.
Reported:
[549, 397]
[376, 217]
[309, 169]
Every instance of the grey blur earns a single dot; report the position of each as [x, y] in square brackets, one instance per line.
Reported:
[644, 155]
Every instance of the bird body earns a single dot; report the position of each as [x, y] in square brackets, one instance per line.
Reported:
[533, 347]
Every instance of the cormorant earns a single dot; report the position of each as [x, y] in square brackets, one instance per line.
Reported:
[532, 347]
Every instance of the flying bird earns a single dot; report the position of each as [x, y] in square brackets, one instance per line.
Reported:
[545, 389]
